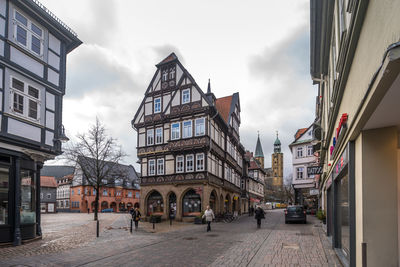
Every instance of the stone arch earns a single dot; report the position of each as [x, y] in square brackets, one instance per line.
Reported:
[172, 202]
[213, 202]
[154, 203]
[228, 203]
[104, 205]
[221, 204]
[129, 206]
[113, 206]
[191, 203]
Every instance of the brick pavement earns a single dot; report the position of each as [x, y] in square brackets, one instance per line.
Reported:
[235, 244]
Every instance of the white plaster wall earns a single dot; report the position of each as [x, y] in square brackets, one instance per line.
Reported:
[53, 77]
[195, 94]
[54, 60]
[50, 120]
[49, 138]
[169, 167]
[24, 130]
[179, 73]
[50, 101]
[54, 44]
[166, 100]
[148, 108]
[26, 62]
[142, 140]
[176, 100]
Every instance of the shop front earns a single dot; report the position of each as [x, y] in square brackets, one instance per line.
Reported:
[19, 198]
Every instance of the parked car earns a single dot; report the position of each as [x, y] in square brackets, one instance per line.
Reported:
[107, 210]
[295, 214]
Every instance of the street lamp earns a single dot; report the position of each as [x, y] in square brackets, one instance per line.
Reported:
[62, 137]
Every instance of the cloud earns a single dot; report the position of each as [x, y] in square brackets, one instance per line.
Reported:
[285, 97]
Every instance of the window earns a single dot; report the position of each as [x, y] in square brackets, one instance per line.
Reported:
[150, 137]
[159, 135]
[199, 162]
[160, 166]
[299, 152]
[185, 96]
[25, 99]
[189, 163]
[94, 192]
[157, 105]
[165, 76]
[200, 127]
[79, 191]
[28, 34]
[309, 150]
[179, 164]
[105, 192]
[175, 131]
[48, 195]
[187, 129]
[72, 192]
[172, 73]
[299, 172]
[130, 194]
[41, 195]
[152, 167]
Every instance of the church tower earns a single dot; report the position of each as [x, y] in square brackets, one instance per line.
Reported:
[277, 164]
[259, 154]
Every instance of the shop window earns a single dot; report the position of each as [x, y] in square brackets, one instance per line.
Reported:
[155, 204]
[28, 200]
[191, 204]
[4, 186]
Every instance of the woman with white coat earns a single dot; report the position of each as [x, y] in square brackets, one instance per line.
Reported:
[209, 215]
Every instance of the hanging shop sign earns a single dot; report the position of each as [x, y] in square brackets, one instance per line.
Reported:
[254, 200]
[313, 170]
[314, 192]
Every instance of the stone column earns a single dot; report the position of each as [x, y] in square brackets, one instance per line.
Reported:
[38, 166]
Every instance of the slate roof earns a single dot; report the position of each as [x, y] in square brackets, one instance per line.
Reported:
[48, 181]
[57, 171]
[259, 152]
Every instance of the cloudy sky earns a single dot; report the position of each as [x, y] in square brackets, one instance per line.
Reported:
[259, 48]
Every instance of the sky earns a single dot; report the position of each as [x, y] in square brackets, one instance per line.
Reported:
[259, 48]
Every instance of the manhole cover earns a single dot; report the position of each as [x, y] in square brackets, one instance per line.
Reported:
[290, 246]
[189, 238]
[212, 235]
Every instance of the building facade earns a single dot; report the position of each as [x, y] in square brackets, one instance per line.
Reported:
[48, 192]
[188, 146]
[34, 45]
[63, 176]
[303, 158]
[355, 62]
[255, 183]
[120, 194]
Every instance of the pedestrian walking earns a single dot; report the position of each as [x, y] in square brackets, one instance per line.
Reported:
[259, 215]
[251, 210]
[209, 215]
[136, 217]
[88, 210]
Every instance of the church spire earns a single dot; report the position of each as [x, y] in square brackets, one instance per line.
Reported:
[277, 144]
[210, 96]
[209, 87]
[259, 152]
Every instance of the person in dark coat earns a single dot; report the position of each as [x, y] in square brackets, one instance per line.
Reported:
[259, 215]
[136, 217]
[251, 210]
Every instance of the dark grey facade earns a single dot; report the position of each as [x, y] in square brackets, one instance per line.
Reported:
[48, 199]
[34, 44]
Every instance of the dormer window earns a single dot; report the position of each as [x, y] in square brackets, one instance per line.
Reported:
[28, 34]
[185, 96]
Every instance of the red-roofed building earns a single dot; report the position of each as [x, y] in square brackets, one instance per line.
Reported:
[48, 194]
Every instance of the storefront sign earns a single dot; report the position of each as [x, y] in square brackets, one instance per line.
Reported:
[313, 170]
[340, 130]
[314, 192]
[235, 198]
[199, 190]
[342, 162]
[254, 200]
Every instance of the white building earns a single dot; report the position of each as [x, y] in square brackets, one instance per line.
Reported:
[302, 157]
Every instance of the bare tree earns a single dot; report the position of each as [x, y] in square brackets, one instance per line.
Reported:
[97, 156]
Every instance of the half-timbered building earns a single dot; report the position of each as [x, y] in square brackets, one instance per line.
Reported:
[34, 45]
[188, 145]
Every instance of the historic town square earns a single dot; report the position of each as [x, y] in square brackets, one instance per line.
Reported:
[200, 133]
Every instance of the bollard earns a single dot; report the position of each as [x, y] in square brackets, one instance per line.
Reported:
[97, 228]
[131, 226]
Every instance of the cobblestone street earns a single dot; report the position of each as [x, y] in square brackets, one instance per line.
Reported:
[229, 244]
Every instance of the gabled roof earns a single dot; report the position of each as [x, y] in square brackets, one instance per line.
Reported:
[168, 59]
[48, 181]
[299, 133]
[57, 171]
